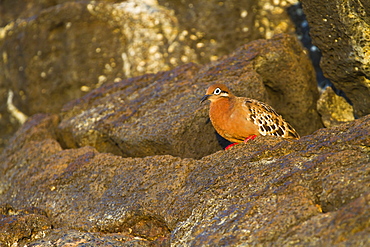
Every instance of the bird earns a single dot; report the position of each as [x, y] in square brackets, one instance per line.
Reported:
[239, 119]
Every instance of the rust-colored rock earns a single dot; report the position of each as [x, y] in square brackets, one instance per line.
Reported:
[268, 191]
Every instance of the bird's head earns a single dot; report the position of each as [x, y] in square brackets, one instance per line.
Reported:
[216, 92]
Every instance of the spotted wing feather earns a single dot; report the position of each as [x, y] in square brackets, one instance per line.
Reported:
[268, 121]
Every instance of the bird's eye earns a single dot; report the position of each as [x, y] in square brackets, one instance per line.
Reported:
[217, 91]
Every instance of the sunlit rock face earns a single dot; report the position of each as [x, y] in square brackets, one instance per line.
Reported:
[340, 29]
[268, 191]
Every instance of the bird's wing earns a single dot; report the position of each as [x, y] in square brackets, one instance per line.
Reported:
[269, 122]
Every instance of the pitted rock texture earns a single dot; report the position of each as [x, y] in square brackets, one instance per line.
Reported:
[204, 27]
[334, 109]
[19, 224]
[341, 31]
[269, 191]
[160, 113]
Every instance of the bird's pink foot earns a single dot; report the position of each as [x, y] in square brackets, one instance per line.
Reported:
[252, 137]
[231, 145]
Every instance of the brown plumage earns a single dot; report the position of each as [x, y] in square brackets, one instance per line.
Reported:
[239, 119]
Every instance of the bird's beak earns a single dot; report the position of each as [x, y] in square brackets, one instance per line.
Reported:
[204, 98]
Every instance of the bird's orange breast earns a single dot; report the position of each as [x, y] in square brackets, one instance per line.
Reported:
[230, 120]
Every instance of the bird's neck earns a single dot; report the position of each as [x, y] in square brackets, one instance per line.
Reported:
[223, 104]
